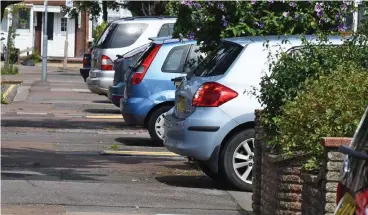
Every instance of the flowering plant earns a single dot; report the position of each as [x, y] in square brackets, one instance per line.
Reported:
[209, 21]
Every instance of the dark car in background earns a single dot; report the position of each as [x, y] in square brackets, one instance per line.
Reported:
[121, 66]
[352, 190]
[84, 71]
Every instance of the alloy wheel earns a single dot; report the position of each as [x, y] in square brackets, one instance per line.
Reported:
[159, 126]
[243, 160]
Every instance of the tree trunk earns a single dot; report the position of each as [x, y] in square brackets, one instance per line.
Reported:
[104, 11]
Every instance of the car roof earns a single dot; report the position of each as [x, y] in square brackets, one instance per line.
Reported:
[145, 18]
[274, 39]
[170, 40]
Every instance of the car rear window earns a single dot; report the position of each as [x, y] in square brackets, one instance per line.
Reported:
[175, 60]
[218, 61]
[121, 35]
[166, 30]
[136, 51]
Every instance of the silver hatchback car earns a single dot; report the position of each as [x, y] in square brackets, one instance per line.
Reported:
[213, 118]
[120, 37]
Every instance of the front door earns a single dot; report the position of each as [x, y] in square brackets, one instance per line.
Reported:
[57, 26]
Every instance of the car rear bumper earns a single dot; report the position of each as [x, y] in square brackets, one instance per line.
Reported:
[135, 110]
[84, 72]
[99, 81]
[115, 93]
[198, 135]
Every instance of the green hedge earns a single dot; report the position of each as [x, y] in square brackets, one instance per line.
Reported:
[330, 106]
[293, 75]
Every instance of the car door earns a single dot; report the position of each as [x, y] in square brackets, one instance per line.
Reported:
[354, 178]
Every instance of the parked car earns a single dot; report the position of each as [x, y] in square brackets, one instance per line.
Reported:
[352, 191]
[84, 71]
[213, 118]
[119, 37]
[149, 92]
[121, 66]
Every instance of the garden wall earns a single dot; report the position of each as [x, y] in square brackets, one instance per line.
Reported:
[280, 187]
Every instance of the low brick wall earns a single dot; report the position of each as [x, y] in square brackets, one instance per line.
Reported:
[279, 186]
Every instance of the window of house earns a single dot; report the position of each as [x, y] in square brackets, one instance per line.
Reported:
[4, 24]
[64, 24]
[22, 19]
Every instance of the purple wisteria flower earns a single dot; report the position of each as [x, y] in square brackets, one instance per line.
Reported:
[253, 2]
[318, 7]
[337, 16]
[296, 17]
[221, 6]
[224, 21]
[292, 4]
[191, 36]
[285, 14]
[259, 24]
[343, 6]
[342, 27]
[186, 2]
[196, 5]
[270, 1]
[208, 3]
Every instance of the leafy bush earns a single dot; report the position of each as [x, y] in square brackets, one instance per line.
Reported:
[310, 62]
[330, 106]
[9, 70]
[209, 21]
[98, 31]
[3, 101]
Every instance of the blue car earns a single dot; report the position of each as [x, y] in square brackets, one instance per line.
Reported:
[149, 90]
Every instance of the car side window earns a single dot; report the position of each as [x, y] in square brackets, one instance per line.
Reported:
[194, 58]
[166, 30]
[175, 60]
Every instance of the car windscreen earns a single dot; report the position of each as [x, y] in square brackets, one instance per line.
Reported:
[219, 60]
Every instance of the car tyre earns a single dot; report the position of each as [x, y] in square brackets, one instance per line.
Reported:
[217, 177]
[155, 123]
[236, 160]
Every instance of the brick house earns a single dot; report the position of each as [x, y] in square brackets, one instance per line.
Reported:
[30, 31]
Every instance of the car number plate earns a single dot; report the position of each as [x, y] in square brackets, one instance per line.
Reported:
[177, 84]
[346, 206]
[180, 104]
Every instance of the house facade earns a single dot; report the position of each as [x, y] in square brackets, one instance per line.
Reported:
[30, 29]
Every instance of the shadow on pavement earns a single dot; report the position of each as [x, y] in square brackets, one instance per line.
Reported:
[54, 123]
[40, 164]
[102, 111]
[102, 101]
[202, 182]
[138, 141]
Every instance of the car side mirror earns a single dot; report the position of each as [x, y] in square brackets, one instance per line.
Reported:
[354, 153]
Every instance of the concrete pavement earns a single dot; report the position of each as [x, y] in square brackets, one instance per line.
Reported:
[52, 134]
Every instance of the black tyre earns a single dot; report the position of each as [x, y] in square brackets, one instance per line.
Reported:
[236, 160]
[218, 177]
[155, 123]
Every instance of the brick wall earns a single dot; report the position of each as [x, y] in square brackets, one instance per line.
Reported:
[280, 187]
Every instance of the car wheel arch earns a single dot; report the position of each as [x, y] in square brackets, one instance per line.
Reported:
[155, 107]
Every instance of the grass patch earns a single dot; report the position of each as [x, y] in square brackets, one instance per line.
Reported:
[115, 147]
[9, 70]
[3, 101]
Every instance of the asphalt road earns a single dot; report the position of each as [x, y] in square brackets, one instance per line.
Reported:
[51, 136]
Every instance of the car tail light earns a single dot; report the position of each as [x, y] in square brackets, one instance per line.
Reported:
[141, 72]
[339, 192]
[106, 63]
[117, 98]
[212, 94]
[361, 201]
[85, 62]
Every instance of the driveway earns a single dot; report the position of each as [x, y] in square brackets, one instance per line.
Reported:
[52, 137]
